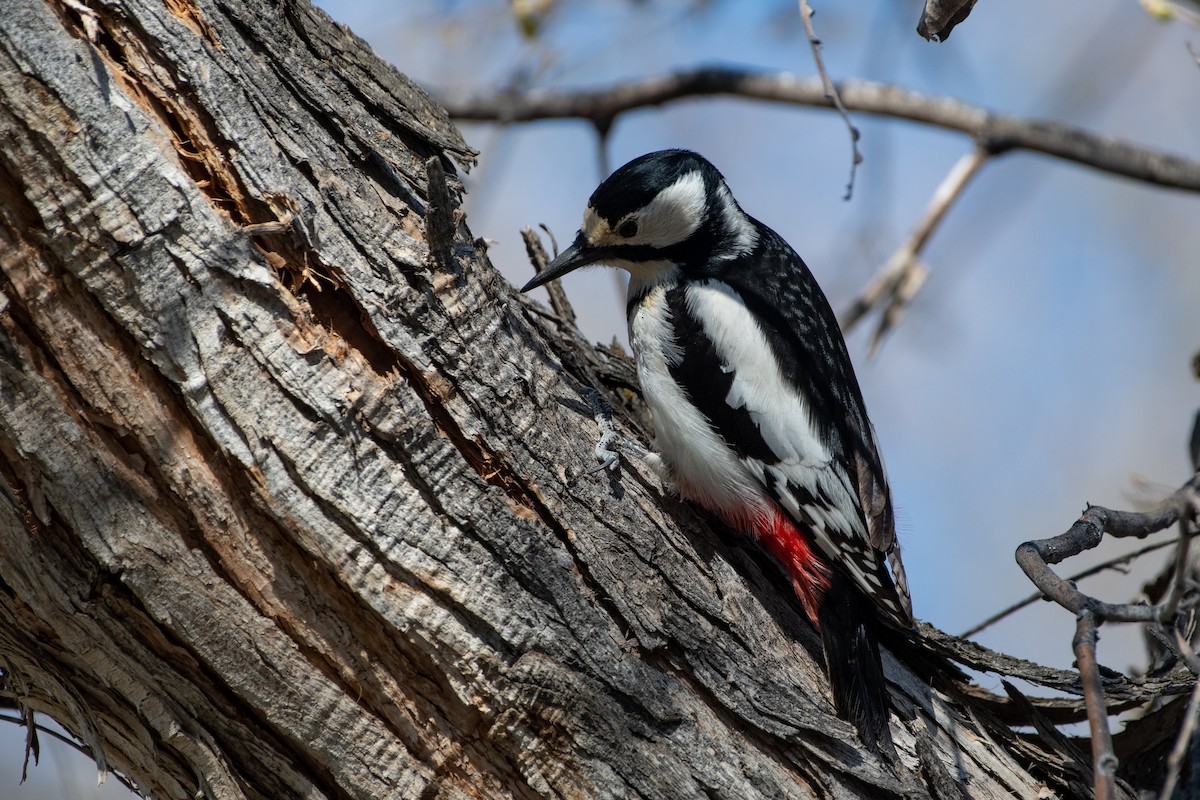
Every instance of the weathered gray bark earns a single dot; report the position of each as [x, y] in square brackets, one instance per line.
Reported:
[286, 493]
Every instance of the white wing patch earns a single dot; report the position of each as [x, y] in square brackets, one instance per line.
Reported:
[779, 411]
[811, 486]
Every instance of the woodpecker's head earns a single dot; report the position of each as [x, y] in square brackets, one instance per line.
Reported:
[665, 212]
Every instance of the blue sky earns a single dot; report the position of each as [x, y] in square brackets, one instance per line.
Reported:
[1046, 360]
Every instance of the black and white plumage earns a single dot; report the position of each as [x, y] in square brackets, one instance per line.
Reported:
[758, 415]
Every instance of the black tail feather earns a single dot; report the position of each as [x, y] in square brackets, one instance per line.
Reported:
[850, 630]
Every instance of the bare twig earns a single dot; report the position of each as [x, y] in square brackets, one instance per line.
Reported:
[1104, 761]
[831, 94]
[1182, 743]
[549, 235]
[1182, 563]
[537, 256]
[993, 132]
[1117, 687]
[1186, 655]
[902, 276]
[67, 740]
[1035, 558]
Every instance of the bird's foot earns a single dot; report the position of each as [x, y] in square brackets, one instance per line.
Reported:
[608, 456]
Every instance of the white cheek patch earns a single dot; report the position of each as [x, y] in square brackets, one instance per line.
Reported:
[674, 214]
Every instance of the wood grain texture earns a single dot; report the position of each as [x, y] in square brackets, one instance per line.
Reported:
[292, 507]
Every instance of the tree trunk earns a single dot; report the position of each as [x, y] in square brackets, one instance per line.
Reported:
[293, 494]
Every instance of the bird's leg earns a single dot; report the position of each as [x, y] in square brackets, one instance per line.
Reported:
[610, 443]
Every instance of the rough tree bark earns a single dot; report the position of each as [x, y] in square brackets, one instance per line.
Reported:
[292, 499]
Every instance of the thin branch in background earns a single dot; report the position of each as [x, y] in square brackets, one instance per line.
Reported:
[1185, 653]
[899, 279]
[1182, 562]
[1176, 644]
[553, 241]
[831, 94]
[70, 742]
[603, 130]
[1182, 743]
[33, 747]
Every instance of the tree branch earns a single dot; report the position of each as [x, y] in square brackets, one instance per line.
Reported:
[1104, 762]
[1035, 559]
[993, 132]
[899, 280]
[1116, 563]
[1186, 731]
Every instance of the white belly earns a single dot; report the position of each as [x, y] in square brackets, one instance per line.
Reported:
[703, 468]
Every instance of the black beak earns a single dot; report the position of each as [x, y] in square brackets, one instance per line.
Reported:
[576, 256]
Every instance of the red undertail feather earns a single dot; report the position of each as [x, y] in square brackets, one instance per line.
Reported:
[809, 574]
[781, 538]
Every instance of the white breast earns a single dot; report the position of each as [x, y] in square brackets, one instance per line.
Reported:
[703, 467]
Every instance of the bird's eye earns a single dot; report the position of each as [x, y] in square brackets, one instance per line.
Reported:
[628, 228]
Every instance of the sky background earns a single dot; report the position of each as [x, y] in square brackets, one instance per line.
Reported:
[1046, 362]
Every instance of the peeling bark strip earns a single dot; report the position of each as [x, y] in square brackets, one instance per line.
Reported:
[283, 509]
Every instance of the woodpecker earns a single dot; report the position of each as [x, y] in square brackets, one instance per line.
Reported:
[758, 415]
